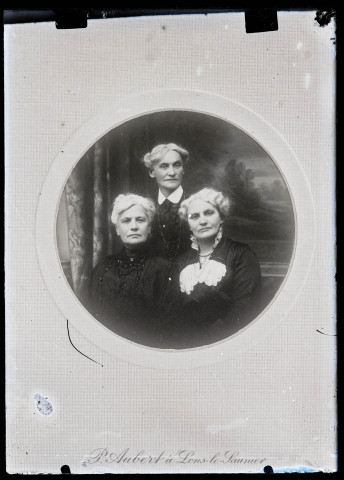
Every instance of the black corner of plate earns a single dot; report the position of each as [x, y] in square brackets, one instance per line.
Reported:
[324, 17]
[68, 18]
[263, 20]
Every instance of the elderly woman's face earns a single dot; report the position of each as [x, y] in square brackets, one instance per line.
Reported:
[204, 219]
[168, 171]
[133, 226]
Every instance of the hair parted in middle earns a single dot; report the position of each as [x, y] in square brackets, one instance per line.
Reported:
[214, 197]
[125, 201]
[160, 151]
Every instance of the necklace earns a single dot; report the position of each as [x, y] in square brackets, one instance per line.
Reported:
[124, 268]
[127, 269]
[204, 258]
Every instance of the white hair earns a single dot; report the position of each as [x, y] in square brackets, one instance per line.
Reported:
[214, 197]
[160, 151]
[125, 201]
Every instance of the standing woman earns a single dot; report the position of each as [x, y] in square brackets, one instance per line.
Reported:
[166, 164]
[219, 278]
[130, 292]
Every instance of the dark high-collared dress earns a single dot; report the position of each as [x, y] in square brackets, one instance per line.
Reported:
[132, 298]
[170, 235]
[218, 298]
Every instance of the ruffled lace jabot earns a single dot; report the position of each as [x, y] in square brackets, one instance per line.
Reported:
[211, 273]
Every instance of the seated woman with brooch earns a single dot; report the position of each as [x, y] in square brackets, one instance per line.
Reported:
[131, 292]
[219, 278]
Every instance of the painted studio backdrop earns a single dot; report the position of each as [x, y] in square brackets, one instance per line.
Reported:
[221, 156]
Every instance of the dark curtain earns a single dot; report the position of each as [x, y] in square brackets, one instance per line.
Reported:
[89, 230]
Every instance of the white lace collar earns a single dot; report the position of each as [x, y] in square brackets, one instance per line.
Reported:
[210, 273]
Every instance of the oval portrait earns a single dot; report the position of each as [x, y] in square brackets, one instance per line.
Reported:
[176, 229]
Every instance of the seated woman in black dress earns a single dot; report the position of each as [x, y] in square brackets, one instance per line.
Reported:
[219, 278]
[131, 292]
